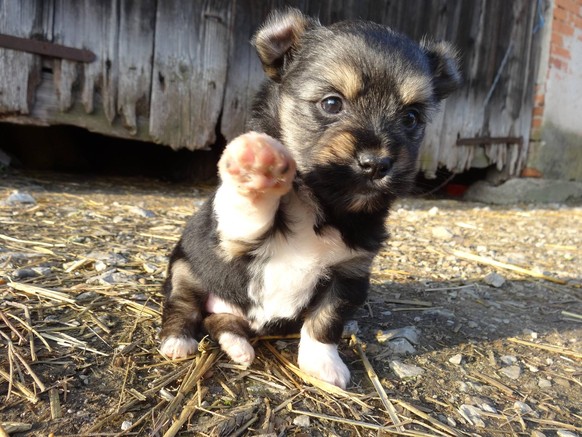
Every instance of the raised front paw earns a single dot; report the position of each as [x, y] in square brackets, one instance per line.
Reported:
[178, 347]
[322, 361]
[257, 164]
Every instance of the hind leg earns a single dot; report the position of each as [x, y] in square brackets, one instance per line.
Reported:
[232, 333]
[182, 314]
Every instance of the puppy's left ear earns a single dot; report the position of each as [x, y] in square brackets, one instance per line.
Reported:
[278, 39]
[444, 62]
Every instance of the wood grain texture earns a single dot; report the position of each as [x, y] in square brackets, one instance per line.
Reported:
[180, 72]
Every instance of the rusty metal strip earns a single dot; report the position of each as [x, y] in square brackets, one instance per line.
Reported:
[489, 140]
[46, 48]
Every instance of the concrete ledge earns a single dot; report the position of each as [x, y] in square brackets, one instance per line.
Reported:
[526, 191]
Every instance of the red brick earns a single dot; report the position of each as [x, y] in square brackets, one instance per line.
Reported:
[560, 51]
[540, 99]
[538, 111]
[563, 28]
[561, 14]
[557, 63]
[536, 123]
[569, 5]
[557, 39]
[531, 172]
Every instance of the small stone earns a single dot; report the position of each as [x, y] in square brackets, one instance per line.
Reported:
[100, 266]
[531, 333]
[456, 359]
[302, 421]
[149, 268]
[508, 360]
[86, 296]
[126, 424]
[146, 213]
[433, 211]
[494, 279]
[19, 198]
[544, 383]
[110, 277]
[523, 408]
[537, 433]
[512, 372]
[564, 433]
[30, 272]
[441, 233]
[410, 333]
[472, 415]
[351, 328]
[118, 219]
[472, 324]
[403, 371]
[401, 346]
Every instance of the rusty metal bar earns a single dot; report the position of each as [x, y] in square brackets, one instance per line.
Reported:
[479, 141]
[46, 48]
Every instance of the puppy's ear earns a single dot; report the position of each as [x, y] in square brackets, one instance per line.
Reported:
[444, 63]
[278, 39]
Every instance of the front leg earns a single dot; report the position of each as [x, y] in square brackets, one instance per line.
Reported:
[323, 327]
[255, 171]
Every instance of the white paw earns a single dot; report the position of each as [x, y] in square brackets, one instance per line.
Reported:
[257, 163]
[237, 348]
[178, 347]
[322, 361]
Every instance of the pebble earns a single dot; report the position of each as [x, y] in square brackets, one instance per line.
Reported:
[30, 272]
[456, 359]
[351, 328]
[86, 296]
[302, 421]
[146, 213]
[441, 233]
[433, 211]
[537, 433]
[410, 333]
[544, 383]
[512, 372]
[126, 424]
[564, 433]
[472, 324]
[508, 360]
[405, 370]
[401, 346]
[524, 408]
[494, 279]
[110, 277]
[472, 415]
[19, 198]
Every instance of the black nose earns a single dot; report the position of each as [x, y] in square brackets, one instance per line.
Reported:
[375, 167]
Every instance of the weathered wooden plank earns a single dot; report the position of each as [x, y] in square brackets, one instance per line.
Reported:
[92, 25]
[189, 75]
[19, 71]
[134, 63]
[245, 72]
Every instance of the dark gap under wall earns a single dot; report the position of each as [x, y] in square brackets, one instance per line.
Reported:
[70, 149]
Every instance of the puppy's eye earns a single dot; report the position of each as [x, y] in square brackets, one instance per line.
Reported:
[411, 119]
[332, 105]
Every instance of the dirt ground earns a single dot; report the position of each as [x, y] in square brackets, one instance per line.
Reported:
[491, 299]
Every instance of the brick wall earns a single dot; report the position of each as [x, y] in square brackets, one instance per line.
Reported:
[566, 19]
[555, 150]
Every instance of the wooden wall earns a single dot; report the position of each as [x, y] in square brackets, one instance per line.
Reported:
[182, 72]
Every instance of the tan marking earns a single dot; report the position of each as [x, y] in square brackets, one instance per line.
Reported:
[183, 281]
[346, 79]
[340, 147]
[415, 89]
[230, 249]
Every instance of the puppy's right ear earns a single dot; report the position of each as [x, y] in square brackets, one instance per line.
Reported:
[278, 39]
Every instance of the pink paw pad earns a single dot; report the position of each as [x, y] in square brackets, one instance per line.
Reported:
[237, 348]
[257, 163]
[178, 347]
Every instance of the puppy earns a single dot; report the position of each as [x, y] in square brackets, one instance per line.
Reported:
[287, 240]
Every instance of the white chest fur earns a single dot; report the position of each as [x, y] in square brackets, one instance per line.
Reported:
[291, 265]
